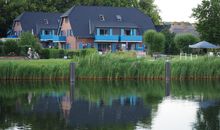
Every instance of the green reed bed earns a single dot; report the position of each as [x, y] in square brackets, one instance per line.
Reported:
[115, 66]
[34, 69]
[202, 68]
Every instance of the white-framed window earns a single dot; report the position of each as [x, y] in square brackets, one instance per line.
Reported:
[103, 32]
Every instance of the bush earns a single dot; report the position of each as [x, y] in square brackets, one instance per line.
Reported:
[183, 41]
[45, 54]
[23, 50]
[56, 53]
[2, 53]
[11, 47]
[61, 53]
[154, 41]
[52, 53]
[27, 39]
[72, 53]
[89, 51]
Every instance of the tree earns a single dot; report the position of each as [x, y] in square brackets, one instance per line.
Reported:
[208, 16]
[149, 8]
[183, 41]
[27, 39]
[154, 41]
[169, 45]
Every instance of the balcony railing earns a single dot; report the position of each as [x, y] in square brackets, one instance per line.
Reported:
[106, 38]
[130, 38]
[54, 38]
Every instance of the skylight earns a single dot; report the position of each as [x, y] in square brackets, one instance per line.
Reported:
[118, 17]
[101, 17]
[45, 21]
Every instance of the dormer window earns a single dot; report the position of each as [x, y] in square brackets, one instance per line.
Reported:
[45, 21]
[118, 18]
[101, 17]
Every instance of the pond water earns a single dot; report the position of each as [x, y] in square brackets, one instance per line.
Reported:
[124, 105]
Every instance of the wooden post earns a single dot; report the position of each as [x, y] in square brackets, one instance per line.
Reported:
[167, 77]
[72, 73]
[167, 71]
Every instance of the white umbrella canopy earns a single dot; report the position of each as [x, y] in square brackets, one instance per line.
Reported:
[204, 45]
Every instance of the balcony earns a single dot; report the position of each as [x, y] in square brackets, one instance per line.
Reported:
[106, 38]
[130, 38]
[54, 38]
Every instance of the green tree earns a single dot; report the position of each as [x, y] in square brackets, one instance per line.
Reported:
[183, 41]
[154, 41]
[169, 45]
[149, 8]
[27, 39]
[208, 16]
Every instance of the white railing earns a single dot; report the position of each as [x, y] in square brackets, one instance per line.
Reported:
[187, 56]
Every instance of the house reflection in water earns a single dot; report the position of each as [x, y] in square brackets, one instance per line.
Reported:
[84, 113]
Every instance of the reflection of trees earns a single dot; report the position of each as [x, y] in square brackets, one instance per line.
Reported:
[208, 118]
[151, 92]
[14, 99]
[196, 89]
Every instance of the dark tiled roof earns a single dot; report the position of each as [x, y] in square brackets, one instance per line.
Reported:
[81, 15]
[36, 20]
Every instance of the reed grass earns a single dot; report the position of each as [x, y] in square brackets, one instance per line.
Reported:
[110, 67]
[34, 69]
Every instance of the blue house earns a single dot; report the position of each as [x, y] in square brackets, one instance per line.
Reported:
[104, 28]
[42, 25]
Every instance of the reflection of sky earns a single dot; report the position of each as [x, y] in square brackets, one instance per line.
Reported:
[175, 115]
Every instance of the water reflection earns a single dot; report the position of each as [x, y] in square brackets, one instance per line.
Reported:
[110, 105]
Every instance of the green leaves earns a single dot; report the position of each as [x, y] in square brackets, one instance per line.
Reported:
[154, 40]
[208, 16]
[183, 41]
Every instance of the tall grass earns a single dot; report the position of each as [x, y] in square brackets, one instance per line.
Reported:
[110, 67]
[34, 69]
[118, 67]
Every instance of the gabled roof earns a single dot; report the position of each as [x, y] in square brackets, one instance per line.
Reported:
[80, 16]
[37, 20]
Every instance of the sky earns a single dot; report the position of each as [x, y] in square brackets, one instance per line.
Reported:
[176, 10]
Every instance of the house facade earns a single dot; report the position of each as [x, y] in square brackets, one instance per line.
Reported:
[104, 28]
[42, 25]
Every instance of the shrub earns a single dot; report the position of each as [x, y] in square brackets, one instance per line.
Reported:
[11, 47]
[52, 53]
[89, 51]
[23, 50]
[45, 54]
[27, 39]
[2, 53]
[154, 41]
[61, 53]
[183, 41]
[72, 53]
